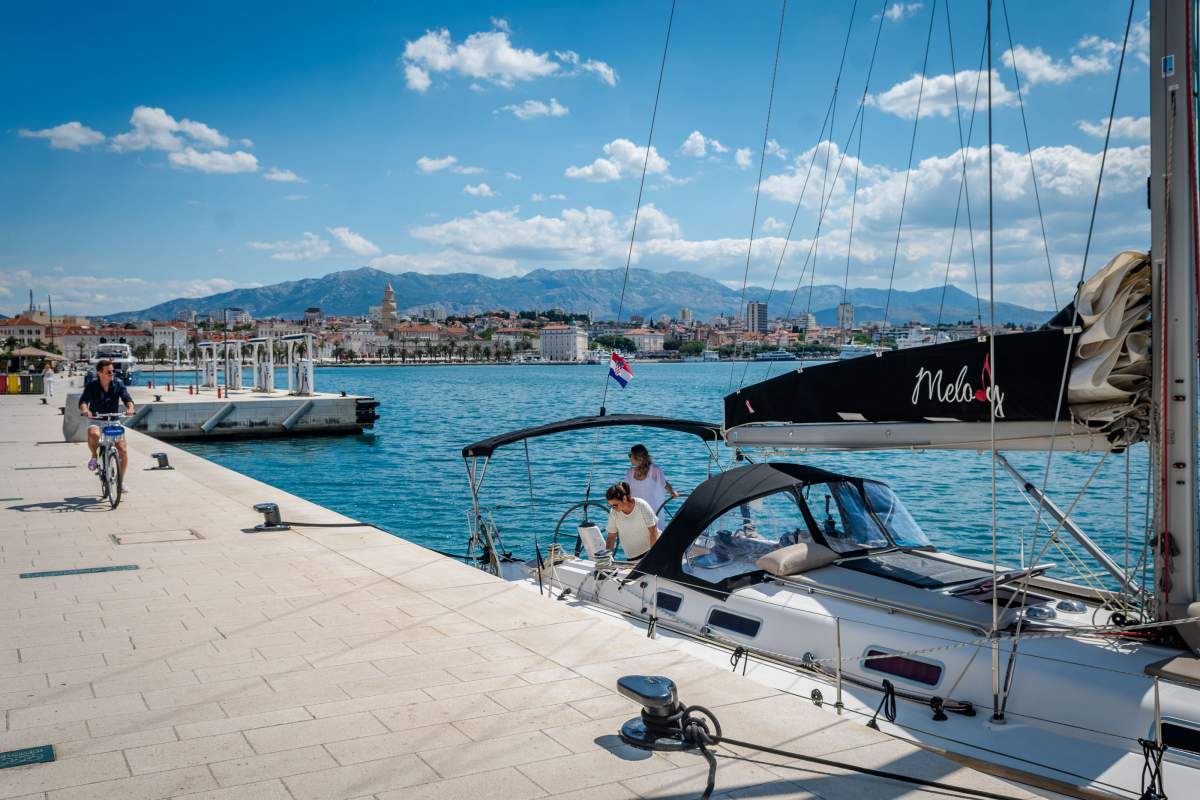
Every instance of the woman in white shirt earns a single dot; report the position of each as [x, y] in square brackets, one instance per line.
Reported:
[646, 479]
[632, 519]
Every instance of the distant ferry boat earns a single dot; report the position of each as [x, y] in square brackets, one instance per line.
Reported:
[849, 351]
[919, 337]
[124, 363]
[776, 355]
[705, 355]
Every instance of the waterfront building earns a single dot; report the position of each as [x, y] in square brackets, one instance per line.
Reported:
[845, 316]
[755, 318]
[239, 316]
[387, 309]
[563, 343]
[24, 329]
[172, 336]
[686, 316]
[646, 340]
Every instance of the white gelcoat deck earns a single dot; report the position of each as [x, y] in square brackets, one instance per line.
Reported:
[337, 662]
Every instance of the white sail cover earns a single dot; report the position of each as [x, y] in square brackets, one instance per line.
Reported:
[1109, 387]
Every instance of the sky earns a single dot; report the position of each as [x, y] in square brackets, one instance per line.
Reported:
[152, 151]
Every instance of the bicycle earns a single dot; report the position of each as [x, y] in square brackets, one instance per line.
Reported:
[108, 459]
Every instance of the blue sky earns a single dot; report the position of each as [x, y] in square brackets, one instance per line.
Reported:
[148, 153]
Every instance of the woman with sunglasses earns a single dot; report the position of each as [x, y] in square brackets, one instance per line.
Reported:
[631, 519]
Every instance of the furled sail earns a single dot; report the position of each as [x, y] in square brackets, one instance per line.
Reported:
[942, 395]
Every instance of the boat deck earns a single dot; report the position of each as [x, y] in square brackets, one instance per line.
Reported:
[165, 651]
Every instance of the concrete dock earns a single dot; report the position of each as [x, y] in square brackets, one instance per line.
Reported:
[243, 413]
[336, 662]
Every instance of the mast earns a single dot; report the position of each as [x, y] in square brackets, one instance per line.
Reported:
[1172, 196]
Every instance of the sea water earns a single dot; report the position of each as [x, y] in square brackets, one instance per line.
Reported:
[408, 477]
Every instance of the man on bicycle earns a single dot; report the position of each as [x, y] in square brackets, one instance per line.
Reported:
[104, 396]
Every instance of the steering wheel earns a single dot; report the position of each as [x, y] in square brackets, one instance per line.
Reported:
[585, 505]
[670, 510]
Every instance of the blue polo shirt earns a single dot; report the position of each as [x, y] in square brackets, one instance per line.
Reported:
[100, 401]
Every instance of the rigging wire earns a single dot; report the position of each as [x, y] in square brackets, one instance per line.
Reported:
[829, 110]
[662, 68]
[762, 162]
[857, 121]
[1029, 151]
[964, 190]
[1071, 331]
[912, 146]
[997, 709]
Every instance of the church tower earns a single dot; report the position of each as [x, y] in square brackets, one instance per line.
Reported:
[387, 310]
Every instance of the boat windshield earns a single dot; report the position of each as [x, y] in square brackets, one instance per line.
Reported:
[842, 517]
[894, 517]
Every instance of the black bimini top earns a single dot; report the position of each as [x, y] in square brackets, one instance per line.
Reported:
[714, 497]
[705, 430]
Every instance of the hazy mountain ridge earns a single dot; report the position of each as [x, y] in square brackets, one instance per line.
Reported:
[352, 292]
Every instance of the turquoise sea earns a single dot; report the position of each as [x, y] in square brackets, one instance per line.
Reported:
[407, 475]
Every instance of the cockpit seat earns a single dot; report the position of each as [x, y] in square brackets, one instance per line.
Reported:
[796, 559]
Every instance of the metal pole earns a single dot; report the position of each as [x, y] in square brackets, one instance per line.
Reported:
[1110, 566]
[837, 629]
[225, 311]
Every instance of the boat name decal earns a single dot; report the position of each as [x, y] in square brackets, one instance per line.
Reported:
[961, 391]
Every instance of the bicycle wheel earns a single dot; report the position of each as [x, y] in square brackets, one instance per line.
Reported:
[112, 466]
[102, 472]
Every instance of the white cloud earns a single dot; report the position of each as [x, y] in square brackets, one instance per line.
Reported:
[1091, 55]
[68, 136]
[214, 161]
[479, 190]
[772, 225]
[898, 11]
[310, 247]
[246, 142]
[283, 176]
[538, 197]
[697, 145]
[296, 197]
[501, 24]
[99, 294]
[447, 261]
[532, 109]
[601, 70]
[623, 158]
[741, 157]
[429, 165]
[155, 129]
[485, 56]
[512, 176]
[1122, 128]
[356, 243]
[418, 79]
[776, 149]
[937, 97]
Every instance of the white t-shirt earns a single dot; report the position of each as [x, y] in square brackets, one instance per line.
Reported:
[633, 528]
[652, 488]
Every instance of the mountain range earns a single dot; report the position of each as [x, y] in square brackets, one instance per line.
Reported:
[650, 294]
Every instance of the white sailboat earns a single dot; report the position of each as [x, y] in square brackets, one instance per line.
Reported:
[823, 584]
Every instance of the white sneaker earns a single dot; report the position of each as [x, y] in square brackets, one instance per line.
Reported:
[124, 488]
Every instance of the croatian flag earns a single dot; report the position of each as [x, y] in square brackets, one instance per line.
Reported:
[619, 369]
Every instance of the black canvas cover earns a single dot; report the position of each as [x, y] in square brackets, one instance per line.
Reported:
[714, 497]
[944, 382]
[705, 430]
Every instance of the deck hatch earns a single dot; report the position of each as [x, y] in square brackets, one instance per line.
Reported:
[734, 622]
[909, 669]
[668, 602]
[1181, 737]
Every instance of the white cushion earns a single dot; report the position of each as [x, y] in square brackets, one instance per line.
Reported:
[795, 559]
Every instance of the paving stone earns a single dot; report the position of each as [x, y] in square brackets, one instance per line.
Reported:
[501, 784]
[172, 755]
[318, 731]
[16, 781]
[272, 765]
[360, 779]
[369, 748]
[142, 787]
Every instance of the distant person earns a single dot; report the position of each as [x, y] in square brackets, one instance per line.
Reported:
[632, 520]
[104, 396]
[47, 380]
[646, 479]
